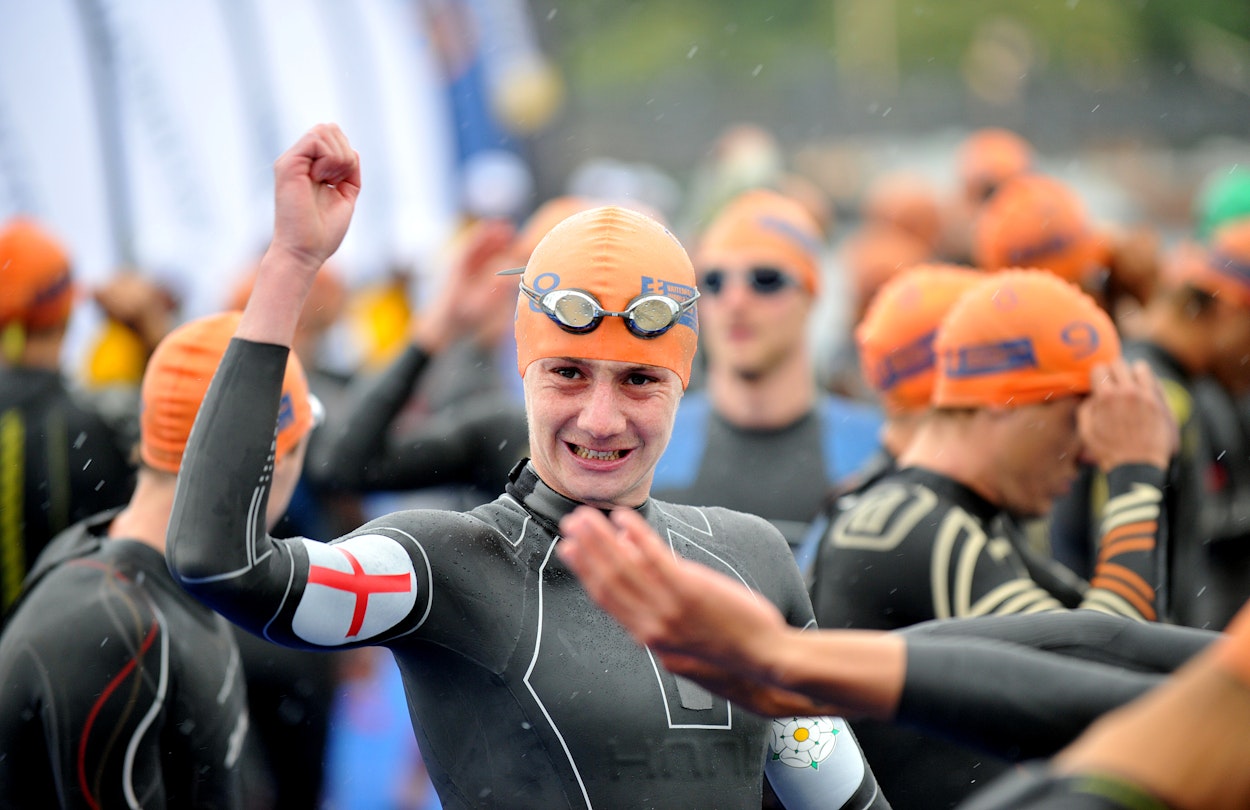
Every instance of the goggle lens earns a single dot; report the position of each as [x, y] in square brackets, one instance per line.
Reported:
[573, 311]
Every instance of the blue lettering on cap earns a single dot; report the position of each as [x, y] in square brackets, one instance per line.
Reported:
[1226, 265]
[1083, 337]
[907, 361]
[1027, 253]
[678, 292]
[990, 358]
[286, 412]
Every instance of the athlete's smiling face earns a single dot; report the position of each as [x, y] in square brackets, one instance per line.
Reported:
[598, 427]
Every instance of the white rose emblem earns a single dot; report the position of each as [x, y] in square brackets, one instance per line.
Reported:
[803, 742]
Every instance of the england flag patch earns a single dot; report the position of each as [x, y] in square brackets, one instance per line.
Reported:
[356, 589]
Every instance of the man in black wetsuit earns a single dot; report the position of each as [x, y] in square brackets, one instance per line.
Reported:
[523, 692]
[117, 688]
[60, 459]
[1025, 686]
[1030, 382]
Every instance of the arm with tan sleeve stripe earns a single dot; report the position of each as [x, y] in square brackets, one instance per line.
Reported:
[1125, 575]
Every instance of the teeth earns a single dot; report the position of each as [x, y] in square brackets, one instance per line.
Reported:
[596, 455]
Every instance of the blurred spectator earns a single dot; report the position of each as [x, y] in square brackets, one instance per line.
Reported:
[1038, 221]
[60, 460]
[1195, 335]
[984, 160]
[869, 257]
[907, 201]
[1224, 196]
[759, 276]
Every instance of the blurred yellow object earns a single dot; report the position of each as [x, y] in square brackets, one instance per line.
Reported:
[117, 357]
[379, 314]
[530, 96]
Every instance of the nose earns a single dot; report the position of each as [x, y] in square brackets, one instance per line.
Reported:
[601, 415]
[736, 292]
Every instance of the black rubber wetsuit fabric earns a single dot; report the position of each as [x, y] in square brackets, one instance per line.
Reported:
[523, 693]
[918, 546]
[1025, 686]
[60, 462]
[117, 688]
[474, 444]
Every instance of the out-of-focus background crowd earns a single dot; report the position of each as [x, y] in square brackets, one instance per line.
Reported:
[140, 135]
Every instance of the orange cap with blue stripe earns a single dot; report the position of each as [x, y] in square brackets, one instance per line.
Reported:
[1020, 337]
[896, 335]
[616, 255]
[177, 377]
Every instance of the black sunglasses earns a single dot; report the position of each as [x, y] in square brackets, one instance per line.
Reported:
[763, 280]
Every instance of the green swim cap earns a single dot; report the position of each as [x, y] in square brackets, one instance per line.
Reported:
[1224, 196]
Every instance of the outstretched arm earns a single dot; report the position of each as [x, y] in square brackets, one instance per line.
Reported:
[706, 627]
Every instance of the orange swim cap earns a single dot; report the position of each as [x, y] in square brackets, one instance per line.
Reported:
[1037, 222]
[616, 255]
[895, 337]
[1019, 337]
[989, 157]
[1223, 268]
[177, 377]
[760, 226]
[36, 286]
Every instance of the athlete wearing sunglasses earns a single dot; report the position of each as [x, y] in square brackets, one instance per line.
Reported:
[762, 280]
[758, 267]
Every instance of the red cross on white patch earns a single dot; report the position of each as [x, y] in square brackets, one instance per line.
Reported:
[356, 589]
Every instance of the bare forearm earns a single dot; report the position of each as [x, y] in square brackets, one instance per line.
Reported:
[860, 673]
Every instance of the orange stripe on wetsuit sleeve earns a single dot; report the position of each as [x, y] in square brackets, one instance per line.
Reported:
[1124, 530]
[1129, 584]
[1126, 545]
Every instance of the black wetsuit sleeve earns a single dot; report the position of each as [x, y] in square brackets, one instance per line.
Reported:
[1010, 700]
[218, 547]
[1034, 787]
[1126, 573]
[1024, 686]
[477, 444]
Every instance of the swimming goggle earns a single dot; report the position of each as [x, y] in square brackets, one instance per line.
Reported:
[579, 312]
[763, 280]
